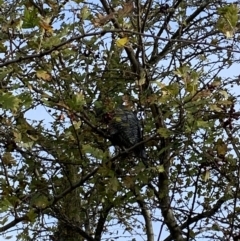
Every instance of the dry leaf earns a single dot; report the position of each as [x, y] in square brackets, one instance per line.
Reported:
[206, 175]
[127, 8]
[126, 101]
[221, 148]
[141, 81]
[53, 4]
[44, 24]
[7, 159]
[215, 108]
[61, 117]
[42, 74]
[17, 24]
[202, 94]
[100, 20]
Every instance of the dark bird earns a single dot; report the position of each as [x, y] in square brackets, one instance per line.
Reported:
[125, 130]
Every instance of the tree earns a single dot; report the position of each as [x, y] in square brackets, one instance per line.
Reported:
[60, 177]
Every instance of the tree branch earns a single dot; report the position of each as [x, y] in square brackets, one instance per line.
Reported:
[13, 223]
[101, 222]
[101, 33]
[155, 59]
[200, 216]
[146, 214]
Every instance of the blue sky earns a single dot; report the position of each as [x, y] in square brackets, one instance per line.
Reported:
[41, 113]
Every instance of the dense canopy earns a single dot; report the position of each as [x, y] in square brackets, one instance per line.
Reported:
[173, 64]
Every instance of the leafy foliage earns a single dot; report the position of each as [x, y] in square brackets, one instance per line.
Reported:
[173, 63]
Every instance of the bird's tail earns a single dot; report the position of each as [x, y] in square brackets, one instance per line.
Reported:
[143, 154]
[140, 152]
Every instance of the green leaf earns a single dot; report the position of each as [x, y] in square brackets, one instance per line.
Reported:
[39, 201]
[201, 123]
[85, 12]
[228, 19]
[160, 168]
[79, 98]
[216, 227]
[4, 220]
[192, 234]
[9, 101]
[8, 237]
[164, 132]
[5, 204]
[4, 73]
[31, 215]
[206, 175]
[3, 48]
[114, 184]
[30, 18]
[88, 149]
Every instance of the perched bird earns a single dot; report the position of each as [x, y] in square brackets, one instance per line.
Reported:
[125, 130]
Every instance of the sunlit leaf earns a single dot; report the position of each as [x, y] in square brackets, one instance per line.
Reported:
[142, 79]
[101, 20]
[42, 74]
[45, 24]
[215, 108]
[206, 175]
[221, 148]
[122, 42]
[224, 93]
[85, 12]
[79, 98]
[228, 19]
[160, 168]
[17, 23]
[127, 8]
